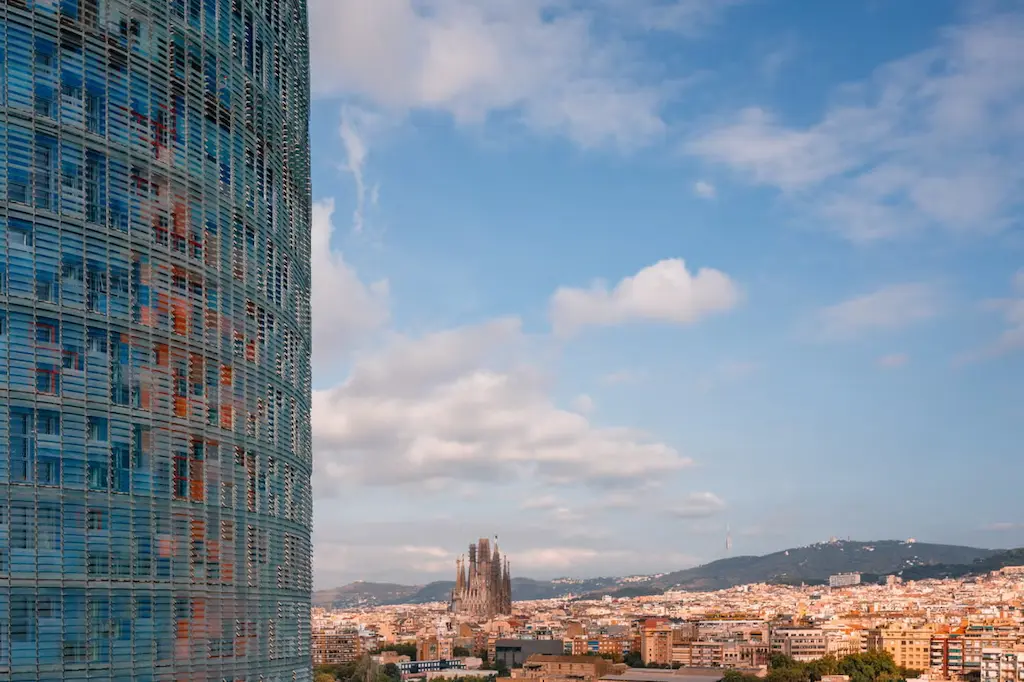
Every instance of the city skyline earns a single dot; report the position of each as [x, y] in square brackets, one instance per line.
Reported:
[616, 278]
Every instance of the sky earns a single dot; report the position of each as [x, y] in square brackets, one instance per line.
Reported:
[606, 277]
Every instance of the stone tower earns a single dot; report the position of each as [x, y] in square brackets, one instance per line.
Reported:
[483, 583]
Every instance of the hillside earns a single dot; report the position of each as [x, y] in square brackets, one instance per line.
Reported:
[812, 565]
[373, 594]
[1010, 557]
[363, 594]
[815, 563]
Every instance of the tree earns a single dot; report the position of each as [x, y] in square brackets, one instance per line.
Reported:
[633, 659]
[407, 649]
[392, 672]
[324, 677]
[737, 676]
[461, 652]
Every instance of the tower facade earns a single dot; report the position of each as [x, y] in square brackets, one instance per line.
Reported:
[154, 340]
[483, 584]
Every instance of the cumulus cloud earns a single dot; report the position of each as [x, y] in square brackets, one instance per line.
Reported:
[452, 405]
[698, 506]
[705, 190]
[344, 307]
[891, 307]
[539, 60]
[933, 140]
[583, 404]
[663, 292]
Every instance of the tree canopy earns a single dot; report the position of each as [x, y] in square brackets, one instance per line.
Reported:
[873, 666]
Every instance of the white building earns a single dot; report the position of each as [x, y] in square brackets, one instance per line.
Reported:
[844, 580]
[998, 665]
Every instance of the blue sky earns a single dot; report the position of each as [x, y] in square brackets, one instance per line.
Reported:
[604, 276]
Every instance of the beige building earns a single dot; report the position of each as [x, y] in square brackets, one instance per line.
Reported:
[434, 648]
[546, 668]
[801, 644]
[334, 647]
[656, 642]
[910, 646]
[981, 636]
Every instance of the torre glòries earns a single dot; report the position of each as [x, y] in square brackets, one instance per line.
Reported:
[483, 584]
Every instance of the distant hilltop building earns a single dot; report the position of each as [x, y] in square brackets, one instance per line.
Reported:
[483, 584]
[844, 580]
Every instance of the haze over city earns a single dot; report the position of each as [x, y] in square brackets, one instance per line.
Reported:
[604, 277]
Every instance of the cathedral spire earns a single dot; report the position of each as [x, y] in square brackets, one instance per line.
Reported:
[483, 584]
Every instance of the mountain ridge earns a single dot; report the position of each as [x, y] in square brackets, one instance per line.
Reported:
[810, 564]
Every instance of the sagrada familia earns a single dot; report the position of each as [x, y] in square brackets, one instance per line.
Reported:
[483, 585]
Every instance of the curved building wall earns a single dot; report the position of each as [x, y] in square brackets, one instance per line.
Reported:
[154, 340]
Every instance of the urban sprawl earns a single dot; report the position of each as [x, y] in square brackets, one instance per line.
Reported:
[963, 629]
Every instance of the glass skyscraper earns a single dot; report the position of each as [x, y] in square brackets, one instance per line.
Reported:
[154, 340]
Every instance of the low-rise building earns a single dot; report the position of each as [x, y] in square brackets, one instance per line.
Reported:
[416, 668]
[513, 653]
[548, 668]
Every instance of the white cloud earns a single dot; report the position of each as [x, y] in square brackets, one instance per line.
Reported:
[583, 404]
[930, 141]
[373, 559]
[887, 308]
[1012, 310]
[418, 549]
[540, 60]
[453, 405]
[674, 16]
[698, 506]
[543, 502]
[705, 190]
[353, 131]
[344, 308]
[894, 360]
[554, 558]
[663, 292]
[622, 376]
[1003, 526]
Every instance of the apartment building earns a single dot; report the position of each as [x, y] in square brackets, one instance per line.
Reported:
[335, 647]
[844, 580]
[801, 644]
[947, 654]
[605, 645]
[998, 665]
[433, 648]
[656, 642]
[979, 637]
[911, 647]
